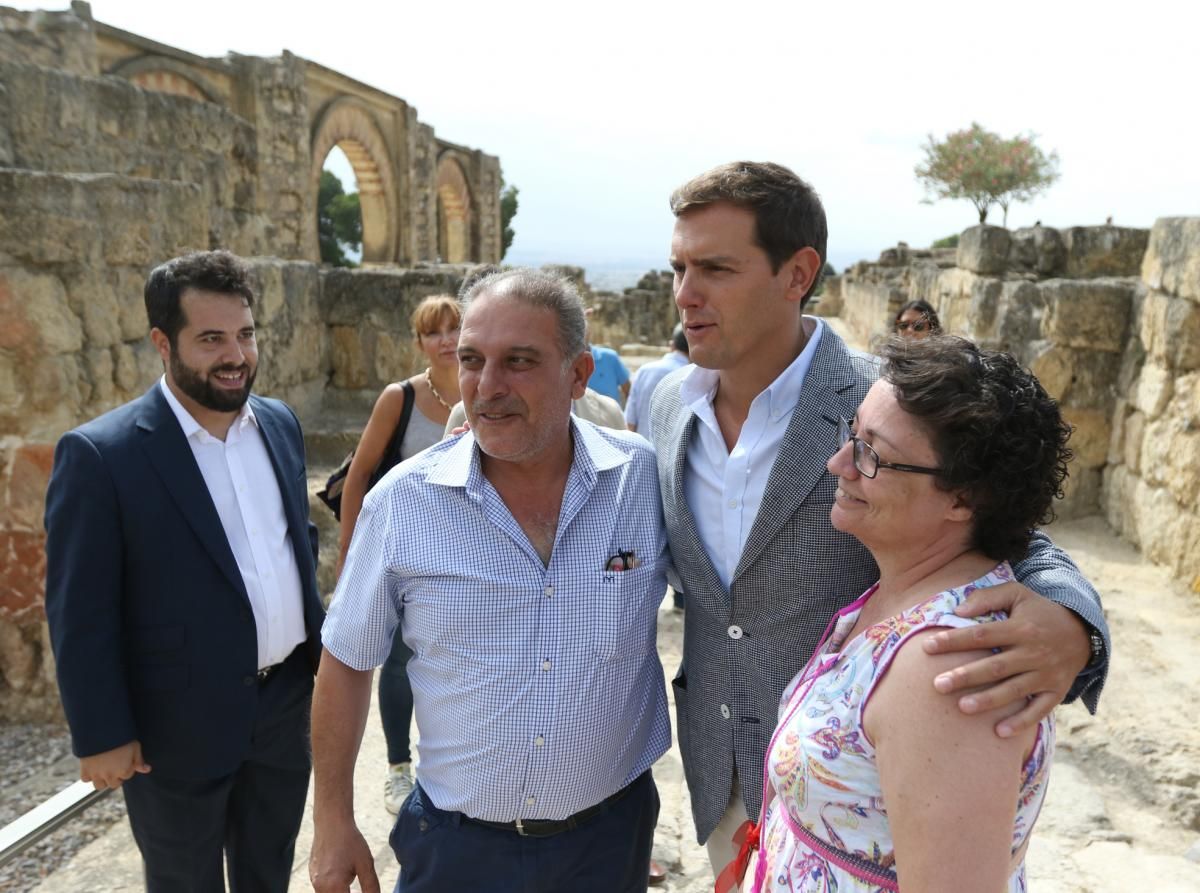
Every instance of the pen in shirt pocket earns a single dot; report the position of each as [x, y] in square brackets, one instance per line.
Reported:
[623, 561]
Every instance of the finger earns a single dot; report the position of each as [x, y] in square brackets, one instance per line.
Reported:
[976, 637]
[368, 880]
[989, 599]
[988, 671]
[1038, 709]
[1013, 689]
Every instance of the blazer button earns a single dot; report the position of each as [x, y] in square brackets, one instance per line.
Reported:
[735, 632]
[725, 711]
[248, 680]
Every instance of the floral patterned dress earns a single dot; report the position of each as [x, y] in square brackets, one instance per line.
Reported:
[826, 827]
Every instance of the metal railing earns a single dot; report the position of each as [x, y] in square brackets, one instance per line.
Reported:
[22, 833]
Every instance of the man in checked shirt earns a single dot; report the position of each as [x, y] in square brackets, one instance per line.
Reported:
[524, 563]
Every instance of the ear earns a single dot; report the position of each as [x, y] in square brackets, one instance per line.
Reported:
[802, 269]
[960, 508]
[162, 344]
[581, 370]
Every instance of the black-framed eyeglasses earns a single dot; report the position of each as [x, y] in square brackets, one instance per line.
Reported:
[867, 461]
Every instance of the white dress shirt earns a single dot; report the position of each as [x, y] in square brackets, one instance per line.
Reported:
[241, 481]
[724, 489]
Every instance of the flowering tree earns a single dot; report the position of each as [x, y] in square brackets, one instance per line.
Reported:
[985, 169]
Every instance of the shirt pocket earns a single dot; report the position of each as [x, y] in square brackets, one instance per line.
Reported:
[625, 613]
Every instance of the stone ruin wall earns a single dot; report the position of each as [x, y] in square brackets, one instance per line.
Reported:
[1108, 318]
[117, 153]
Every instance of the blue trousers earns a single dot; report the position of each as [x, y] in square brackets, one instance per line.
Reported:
[610, 853]
[396, 702]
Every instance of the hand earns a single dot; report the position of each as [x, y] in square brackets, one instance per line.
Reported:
[461, 429]
[113, 767]
[339, 855]
[1042, 648]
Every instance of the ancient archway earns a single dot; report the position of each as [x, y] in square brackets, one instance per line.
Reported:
[453, 212]
[347, 124]
[164, 75]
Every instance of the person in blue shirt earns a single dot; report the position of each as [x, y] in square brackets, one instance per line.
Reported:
[523, 563]
[637, 410]
[610, 376]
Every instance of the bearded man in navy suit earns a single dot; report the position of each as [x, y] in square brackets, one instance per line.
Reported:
[181, 595]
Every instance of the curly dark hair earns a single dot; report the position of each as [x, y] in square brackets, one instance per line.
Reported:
[999, 436]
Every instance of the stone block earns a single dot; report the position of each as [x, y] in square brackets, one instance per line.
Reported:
[1154, 388]
[98, 364]
[1116, 498]
[984, 249]
[1019, 326]
[94, 301]
[1170, 330]
[128, 288]
[1081, 494]
[1038, 249]
[37, 315]
[1116, 443]
[28, 477]
[1091, 430]
[18, 657]
[1096, 251]
[1094, 379]
[1054, 367]
[1135, 436]
[1172, 259]
[22, 572]
[1093, 315]
[349, 366]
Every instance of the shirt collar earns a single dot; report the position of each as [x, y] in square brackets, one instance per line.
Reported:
[192, 428]
[699, 385]
[459, 466]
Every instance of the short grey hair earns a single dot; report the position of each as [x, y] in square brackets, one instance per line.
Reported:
[537, 288]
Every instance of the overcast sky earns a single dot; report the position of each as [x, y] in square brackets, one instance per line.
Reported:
[598, 110]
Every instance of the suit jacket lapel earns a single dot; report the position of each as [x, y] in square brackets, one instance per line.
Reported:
[810, 440]
[685, 428]
[276, 439]
[170, 455]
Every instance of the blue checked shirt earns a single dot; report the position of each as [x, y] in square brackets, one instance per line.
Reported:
[538, 690]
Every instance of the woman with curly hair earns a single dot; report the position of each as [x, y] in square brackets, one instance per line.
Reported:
[873, 779]
[916, 320]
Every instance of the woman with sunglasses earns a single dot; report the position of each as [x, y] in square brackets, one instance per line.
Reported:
[873, 779]
[917, 320]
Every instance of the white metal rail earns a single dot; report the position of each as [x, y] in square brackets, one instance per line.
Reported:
[22, 833]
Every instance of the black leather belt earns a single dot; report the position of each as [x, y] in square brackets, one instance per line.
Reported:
[550, 827]
[267, 672]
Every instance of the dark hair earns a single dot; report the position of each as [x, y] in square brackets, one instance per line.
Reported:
[540, 289]
[679, 338]
[216, 271]
[787, 211]
[999, 437]
[926, 310]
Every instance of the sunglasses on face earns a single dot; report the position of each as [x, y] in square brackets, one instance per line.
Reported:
[920, 325]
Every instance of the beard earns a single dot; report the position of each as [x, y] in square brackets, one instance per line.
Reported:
[197, 385]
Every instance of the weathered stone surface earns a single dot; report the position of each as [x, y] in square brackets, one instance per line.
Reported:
[1172, 259]
[1170, 330]
[1094, 379]
[984, 249]
[1093, 315]
[1054, 368]
[1154, 389]
[829, 302]
[1135, 435]
[1081, 493]
[1090, 435]
[1116, 443]
[1095, 251]
[1019, 327]
[1038, 249]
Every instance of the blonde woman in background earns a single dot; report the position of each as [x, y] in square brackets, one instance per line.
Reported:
[432, 393]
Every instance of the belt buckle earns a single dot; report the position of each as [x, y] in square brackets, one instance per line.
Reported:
[521, 828]
[265, 672]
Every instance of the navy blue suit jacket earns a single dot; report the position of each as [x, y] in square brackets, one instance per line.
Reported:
[150, 622]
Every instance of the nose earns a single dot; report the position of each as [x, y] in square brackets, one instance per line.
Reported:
[841, 463]
[234, 354]
[685, 290]
[490, 381]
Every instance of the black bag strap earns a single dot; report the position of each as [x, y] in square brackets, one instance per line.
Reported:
[391, 456]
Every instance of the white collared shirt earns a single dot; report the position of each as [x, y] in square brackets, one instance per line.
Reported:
[724, 489]
[241, 481]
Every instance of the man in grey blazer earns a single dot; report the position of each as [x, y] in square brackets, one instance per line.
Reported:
[742, 439]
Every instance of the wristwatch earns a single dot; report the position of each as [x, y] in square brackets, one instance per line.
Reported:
[1096, 642]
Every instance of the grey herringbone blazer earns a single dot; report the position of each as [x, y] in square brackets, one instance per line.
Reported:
[796, 571]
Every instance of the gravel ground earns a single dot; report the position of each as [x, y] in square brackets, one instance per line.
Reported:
[38, 763]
